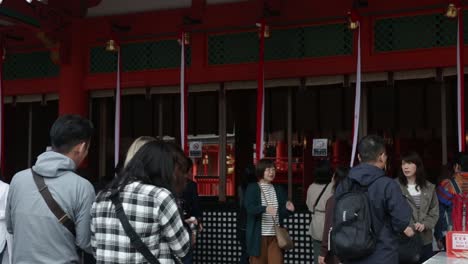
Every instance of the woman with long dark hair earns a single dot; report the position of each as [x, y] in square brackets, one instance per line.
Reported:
[145, 189]
[422, 198]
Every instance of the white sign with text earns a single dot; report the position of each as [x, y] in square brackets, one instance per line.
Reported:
[319, 147]
[195, 149]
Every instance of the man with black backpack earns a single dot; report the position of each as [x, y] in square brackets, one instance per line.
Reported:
[370, 210]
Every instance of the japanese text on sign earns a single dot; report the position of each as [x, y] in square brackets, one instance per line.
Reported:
[460, 241]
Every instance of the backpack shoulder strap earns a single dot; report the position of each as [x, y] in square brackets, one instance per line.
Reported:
[62, 217]
[374, 228]
[455, 185]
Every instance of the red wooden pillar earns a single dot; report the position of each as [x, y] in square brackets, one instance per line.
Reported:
[73, 98]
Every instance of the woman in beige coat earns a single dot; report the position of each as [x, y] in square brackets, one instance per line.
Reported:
[422, 199]
[317, 195]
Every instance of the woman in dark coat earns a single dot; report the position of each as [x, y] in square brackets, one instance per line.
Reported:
[266, 206]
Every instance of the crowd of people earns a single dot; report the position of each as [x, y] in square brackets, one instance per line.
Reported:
[150, 213]
[409, 214]
[404, 213]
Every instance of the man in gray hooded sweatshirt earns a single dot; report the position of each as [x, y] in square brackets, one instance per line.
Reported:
[39, 236]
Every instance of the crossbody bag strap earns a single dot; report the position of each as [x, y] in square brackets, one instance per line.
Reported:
[62, 217]
[135, 239]
[320, 196]
[268, 204]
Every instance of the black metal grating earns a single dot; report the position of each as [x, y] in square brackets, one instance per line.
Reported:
[218, 242]
[416, 32]
[233, 48]
[291, 43]
[29, 65]
[164, 54]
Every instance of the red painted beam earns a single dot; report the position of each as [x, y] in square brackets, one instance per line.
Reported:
[31, 86]
[220, 73]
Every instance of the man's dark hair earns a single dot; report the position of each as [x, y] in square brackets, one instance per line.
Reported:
[69, 131]
[370, 147]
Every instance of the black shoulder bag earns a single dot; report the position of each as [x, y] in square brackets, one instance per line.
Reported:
[62, 217]
[135, 239]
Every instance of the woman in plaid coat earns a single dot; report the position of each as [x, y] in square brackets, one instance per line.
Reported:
[145, 188]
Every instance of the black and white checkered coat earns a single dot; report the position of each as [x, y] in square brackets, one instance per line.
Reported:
[152, 212]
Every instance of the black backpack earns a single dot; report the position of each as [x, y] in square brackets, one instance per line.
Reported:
[353, 235]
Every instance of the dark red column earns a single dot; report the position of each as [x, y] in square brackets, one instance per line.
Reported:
[73, 98]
